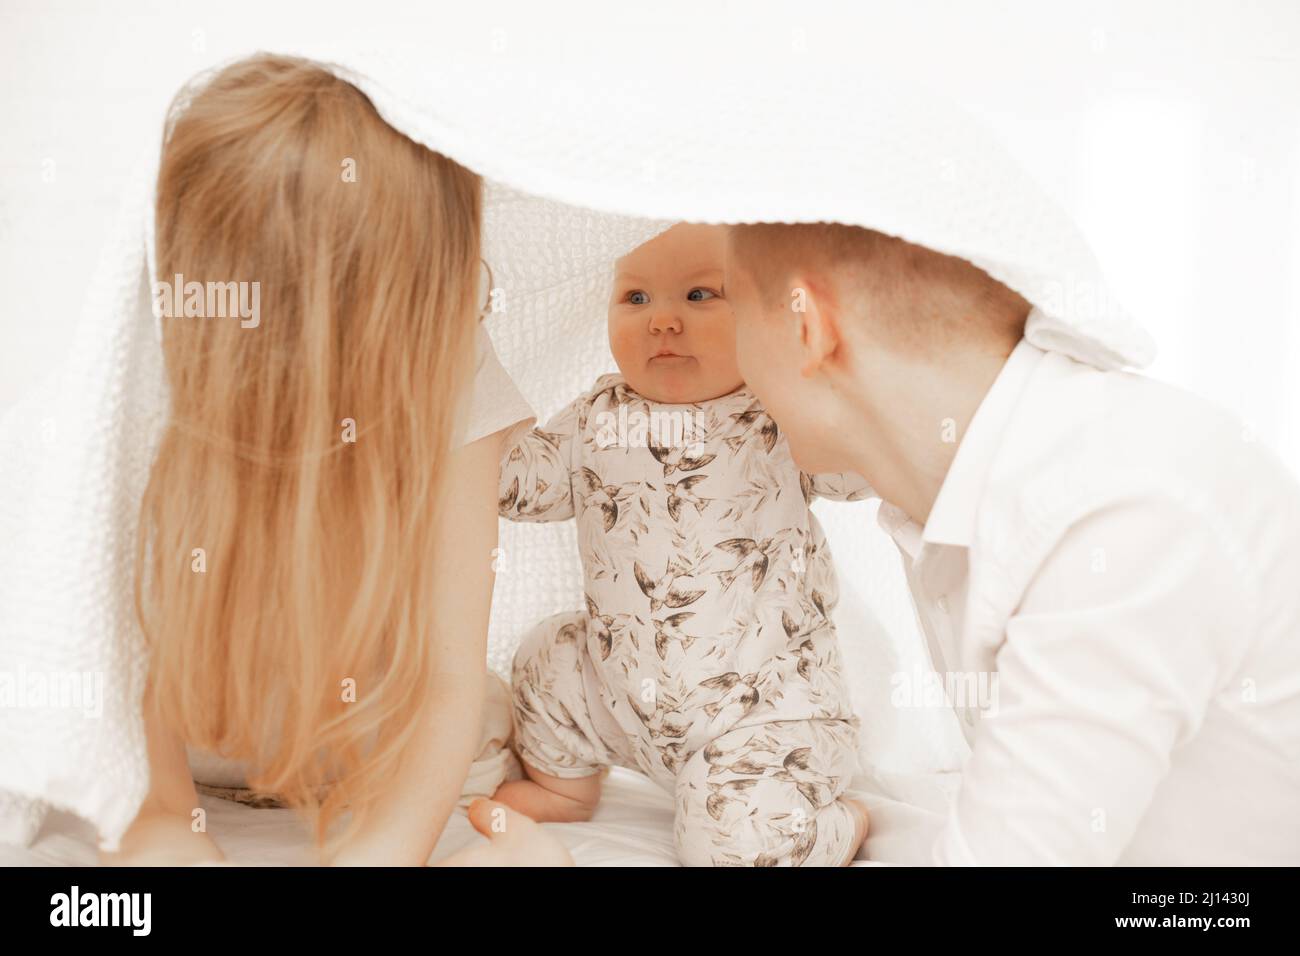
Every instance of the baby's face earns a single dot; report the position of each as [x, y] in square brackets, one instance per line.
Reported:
[671, 331]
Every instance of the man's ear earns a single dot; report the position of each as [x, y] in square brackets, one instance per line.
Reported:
[817, 314]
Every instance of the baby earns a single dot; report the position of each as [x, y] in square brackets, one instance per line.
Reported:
[705, 657]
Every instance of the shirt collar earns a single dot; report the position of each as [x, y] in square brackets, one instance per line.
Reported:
[952, 517]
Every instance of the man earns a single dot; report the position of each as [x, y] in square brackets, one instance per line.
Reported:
[1120, 557]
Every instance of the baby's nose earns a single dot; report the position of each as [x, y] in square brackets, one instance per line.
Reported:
[665, 320]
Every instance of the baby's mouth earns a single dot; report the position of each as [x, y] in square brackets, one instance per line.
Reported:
[670, 358]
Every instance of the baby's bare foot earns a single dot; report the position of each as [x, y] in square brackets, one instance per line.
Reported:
[862, 825]
[545, 805]
[514, 840]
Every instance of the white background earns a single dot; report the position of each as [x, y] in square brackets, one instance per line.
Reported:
[1171, 131]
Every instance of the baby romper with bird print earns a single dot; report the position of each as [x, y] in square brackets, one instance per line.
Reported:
[705, 656]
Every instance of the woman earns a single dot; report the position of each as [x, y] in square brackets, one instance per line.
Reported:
[314, 572]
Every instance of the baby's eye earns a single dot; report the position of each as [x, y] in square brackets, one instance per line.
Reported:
[701, 295]
[637, 297]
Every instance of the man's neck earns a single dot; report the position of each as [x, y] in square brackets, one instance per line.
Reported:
[914, 416]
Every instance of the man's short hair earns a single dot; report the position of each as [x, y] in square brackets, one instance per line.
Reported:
[767, 249]
[956, 297]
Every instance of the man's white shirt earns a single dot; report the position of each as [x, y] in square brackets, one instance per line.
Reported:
[1110, 576]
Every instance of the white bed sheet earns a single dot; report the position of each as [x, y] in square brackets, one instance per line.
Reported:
[632, 827]
[912, 755]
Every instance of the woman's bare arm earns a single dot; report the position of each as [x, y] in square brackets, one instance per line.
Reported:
[166, 831]
[406, 823]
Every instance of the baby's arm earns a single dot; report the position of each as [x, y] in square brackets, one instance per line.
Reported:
[838, 486]
[536, 469]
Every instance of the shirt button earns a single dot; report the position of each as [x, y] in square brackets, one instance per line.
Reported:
[943, 603]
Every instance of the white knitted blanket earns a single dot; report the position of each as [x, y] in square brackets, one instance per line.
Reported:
[584, 162]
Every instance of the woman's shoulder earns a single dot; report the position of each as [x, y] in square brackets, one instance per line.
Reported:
[495, 402]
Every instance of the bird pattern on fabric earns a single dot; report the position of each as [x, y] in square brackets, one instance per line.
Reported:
[709, 586]
[705, 570]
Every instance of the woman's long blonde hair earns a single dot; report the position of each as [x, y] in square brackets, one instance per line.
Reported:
[317, 551]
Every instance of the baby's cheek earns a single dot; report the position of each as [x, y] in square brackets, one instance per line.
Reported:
[745, 357]
[621, 341]
[730, 368]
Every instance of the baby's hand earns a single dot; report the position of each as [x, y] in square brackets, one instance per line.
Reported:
[514, 840]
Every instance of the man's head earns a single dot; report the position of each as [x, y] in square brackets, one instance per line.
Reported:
[833, 321]
[670, 329]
